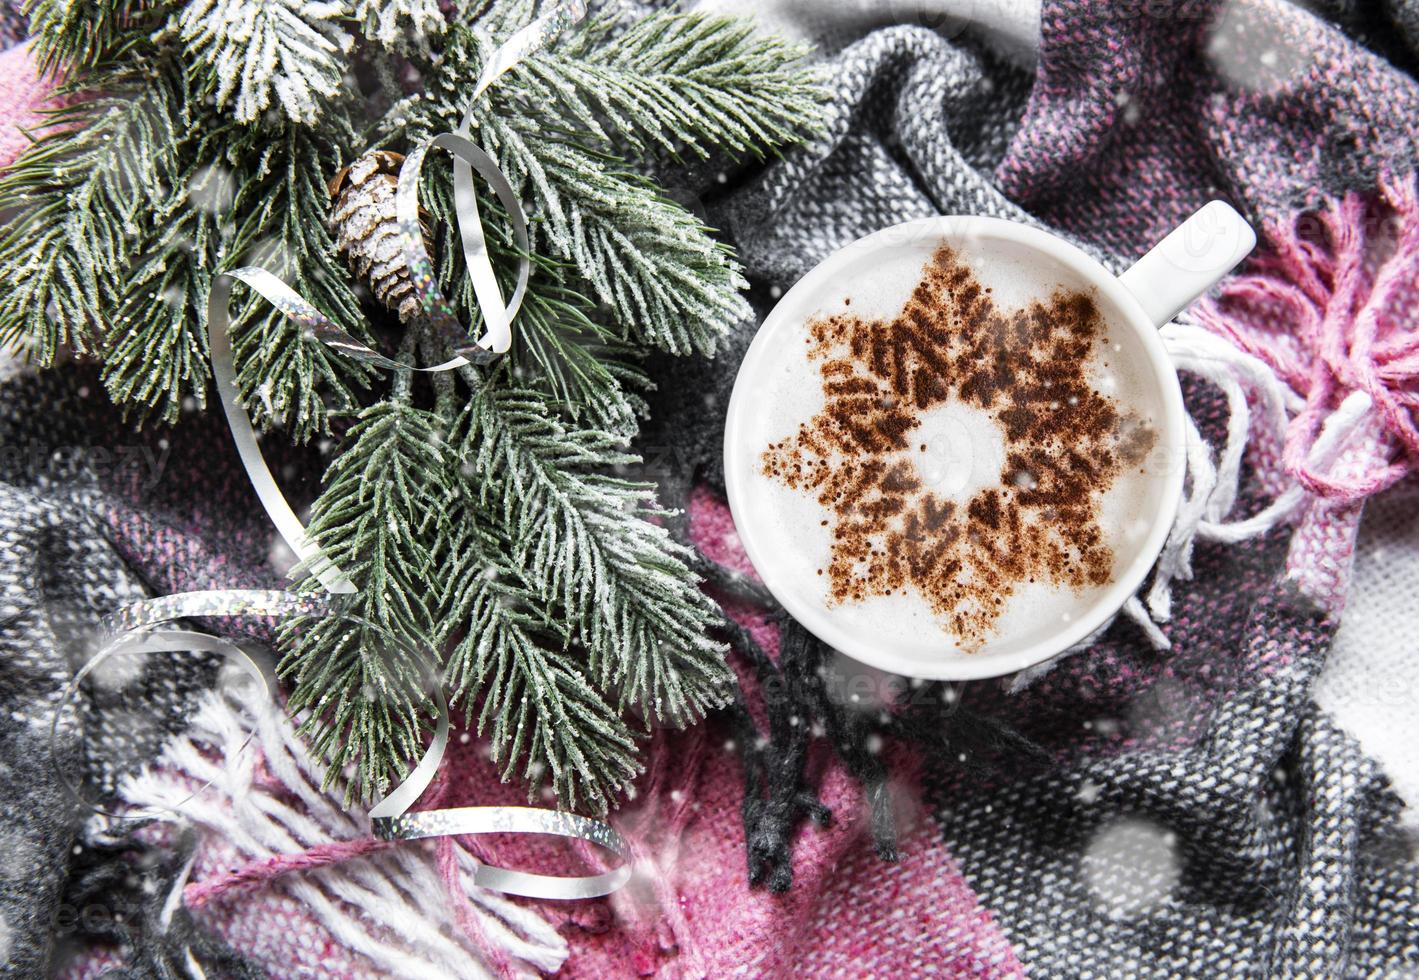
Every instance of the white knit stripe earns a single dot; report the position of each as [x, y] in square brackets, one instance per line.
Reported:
[388, 907]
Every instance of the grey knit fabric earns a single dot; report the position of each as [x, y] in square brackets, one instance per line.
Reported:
[58, 578]
[1202, 816]
[94, 513]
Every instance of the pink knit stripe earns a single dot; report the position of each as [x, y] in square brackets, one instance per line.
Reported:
[920, 915]
[24, 93]
[691, 862]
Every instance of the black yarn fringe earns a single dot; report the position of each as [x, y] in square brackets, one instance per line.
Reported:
[778, 796]
[778, 792]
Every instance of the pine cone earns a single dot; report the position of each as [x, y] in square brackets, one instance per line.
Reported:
[366, 229]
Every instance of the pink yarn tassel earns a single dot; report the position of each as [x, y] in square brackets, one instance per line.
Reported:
[1340, 329]
[465, 914]
[672, 931]
[200, 893]
[667, 929]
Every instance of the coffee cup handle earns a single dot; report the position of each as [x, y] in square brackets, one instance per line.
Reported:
[1191, 260]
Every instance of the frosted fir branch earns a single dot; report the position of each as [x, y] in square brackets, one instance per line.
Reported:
[366, 703]
[254, 51]
[400, 25]
[682, 82]
[558, 348]
[78, 201]
[590, 608]
[86, 34]
[285, 380]
[155, 351]
[668, 283]
[513, 666]
[156, 355]
[379, 519]
[581, 536]
[380, 511]
[675, 82]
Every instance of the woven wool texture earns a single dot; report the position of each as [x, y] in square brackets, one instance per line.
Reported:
[95, 515]
[1198, 814]
[1203, 817]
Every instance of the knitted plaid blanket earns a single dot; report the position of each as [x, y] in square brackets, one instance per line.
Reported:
[1168, 802]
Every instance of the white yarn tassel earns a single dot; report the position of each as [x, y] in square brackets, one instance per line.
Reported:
[1135, 611]
[1212, 488]
[386, 907]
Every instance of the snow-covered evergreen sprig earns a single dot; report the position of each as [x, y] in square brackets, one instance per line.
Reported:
[489, 517]
[255, 52]
[400, 25]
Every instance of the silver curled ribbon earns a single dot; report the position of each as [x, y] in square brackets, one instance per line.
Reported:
[140, 626]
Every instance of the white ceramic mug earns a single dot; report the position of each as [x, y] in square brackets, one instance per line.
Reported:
[1174, 273]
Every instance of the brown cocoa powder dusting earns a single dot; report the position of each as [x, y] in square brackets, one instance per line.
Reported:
[1066, 444]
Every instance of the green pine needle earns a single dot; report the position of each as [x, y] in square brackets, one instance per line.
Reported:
[681, 83]
[79, 200]
[285, 380]
[537, 705]
[88, 35]
[285, 55]
[382, 510]
[559, 121]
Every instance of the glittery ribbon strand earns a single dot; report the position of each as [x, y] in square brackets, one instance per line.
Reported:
[277, 507]
[439, 311]
[139, 627]
[518, 820]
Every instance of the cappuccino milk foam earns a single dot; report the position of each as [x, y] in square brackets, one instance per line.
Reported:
[968, 535]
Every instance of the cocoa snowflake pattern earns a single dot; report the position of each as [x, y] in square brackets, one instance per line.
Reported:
[1065, 445]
